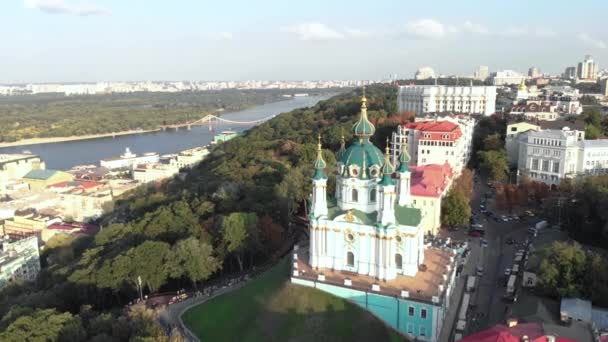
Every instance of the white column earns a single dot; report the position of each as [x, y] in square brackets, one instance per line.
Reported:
[313, 248]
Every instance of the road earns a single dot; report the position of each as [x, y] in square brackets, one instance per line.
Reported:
[488, 306]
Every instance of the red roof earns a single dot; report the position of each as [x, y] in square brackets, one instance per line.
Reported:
[436, 129]
[430, 180]
[77, 183]
[84, 228]
[502, 333]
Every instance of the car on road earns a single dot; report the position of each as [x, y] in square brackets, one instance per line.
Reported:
[507, 272]
[510, 241]
[479, 271]
[482, 207]
[475, 233]
[483, 243]
[504, 218]
[477, 226]
[529, 213]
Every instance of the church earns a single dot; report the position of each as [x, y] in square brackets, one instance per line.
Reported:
[370, 227]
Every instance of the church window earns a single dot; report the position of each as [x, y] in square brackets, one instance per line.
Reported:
[350, 259]
[398, 261]
[355, 195]
[372, 195]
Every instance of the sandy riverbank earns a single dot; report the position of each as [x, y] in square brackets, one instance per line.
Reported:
[35, 141]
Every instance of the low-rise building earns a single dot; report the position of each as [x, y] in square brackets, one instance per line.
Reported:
[533, 111]
[64, 228]
[507, 77]
[550, 156]
[84, 206]
[191, 157]
[148, 173]
[439, 98]
[40, 179]
[27, 223]
[15, 166]
[429, 185]
[19, 260]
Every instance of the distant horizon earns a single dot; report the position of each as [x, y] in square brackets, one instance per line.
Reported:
[88, 40]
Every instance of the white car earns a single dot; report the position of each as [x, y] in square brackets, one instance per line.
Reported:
[507, 272]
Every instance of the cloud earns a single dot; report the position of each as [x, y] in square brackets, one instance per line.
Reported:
[475, 28]
[61, 7]
[425, 29]
[598, 43]
[356, 33]
[224, 36]
[544, 32]
[315, 31]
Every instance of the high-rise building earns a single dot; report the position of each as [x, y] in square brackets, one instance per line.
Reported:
[534, 72]
[604, 84]
[587, 69]
[570, 73]
[425, 73]
[482, 73]
[507, 77]
[439, 98]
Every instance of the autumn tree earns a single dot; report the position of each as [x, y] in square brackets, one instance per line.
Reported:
[455, 209]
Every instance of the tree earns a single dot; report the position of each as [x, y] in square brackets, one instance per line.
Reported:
[493, 142]
[194, 259]
[562, 268]
[464, 182]
[495, 163]
[455, 209]
[240, 233]
[45, 325]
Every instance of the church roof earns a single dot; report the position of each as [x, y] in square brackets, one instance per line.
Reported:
[363, 127]
[360, 153]
[436, 130]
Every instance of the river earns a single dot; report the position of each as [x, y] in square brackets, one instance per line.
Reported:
[65, 155]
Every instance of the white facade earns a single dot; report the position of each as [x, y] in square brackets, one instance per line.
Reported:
[458, 99]
[550, 156]
[19, 260]
[587, 69]
[436, 148]
[482, 73]
[507, 77]
[154, 172]
[372, 229]
[424, 73]
[128, 159]
[191, 157]
[15, 166]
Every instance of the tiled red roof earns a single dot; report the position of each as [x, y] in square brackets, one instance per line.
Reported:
[437, 129]
[502, 333]
[84, 228]
[430, 180]
[77, 183]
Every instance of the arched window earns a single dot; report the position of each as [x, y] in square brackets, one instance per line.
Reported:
[350, 259]
[372, 195]
[355, 195]
[399, 261]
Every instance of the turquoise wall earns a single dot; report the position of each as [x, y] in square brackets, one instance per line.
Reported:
[393, 311]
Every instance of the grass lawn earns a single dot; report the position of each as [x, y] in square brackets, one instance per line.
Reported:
[270, 308]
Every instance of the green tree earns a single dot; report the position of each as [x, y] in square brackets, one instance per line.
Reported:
[493, 142]
[455, 209]
[147, 261]
[562, 269]
[238, 231]
[44, 325]
[194, 259]
[495, 163]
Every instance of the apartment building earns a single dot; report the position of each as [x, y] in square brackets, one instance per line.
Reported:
[438, 98]
[19, 260]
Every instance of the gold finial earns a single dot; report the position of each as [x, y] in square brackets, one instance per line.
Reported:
[387, 149]
[363, 99]
[349, 216]
[319, 142]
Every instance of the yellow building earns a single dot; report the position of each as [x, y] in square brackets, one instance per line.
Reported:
[30, 224]
[15, 166]
[40, 179]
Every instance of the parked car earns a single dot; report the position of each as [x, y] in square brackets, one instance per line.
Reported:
[479, 271]
[477, 225]
[475, 233]
[483, 243]
[507, 272]
[529, 213]
[504, 218]
[510, 241]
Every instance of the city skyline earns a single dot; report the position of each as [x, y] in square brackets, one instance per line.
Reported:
[78, 41]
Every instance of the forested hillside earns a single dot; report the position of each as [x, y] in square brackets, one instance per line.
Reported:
[53, 115]
[231, 212]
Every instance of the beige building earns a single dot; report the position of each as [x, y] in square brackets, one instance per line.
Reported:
[84, 206]
[191, 157]
[154, 172]
[40, 179]
[28, 224]
[15, 166]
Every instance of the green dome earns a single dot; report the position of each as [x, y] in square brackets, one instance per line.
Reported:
[363, 127]
[363, 154]
[404, 159]
[387, 169]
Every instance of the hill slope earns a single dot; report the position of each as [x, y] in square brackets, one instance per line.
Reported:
[270, 308]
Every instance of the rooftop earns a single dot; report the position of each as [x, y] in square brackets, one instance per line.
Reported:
[405, 216]
[430, 180]
[437, 129]
[423, 287]
[8, 158]
[40, 174]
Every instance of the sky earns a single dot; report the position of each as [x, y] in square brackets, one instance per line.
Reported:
[128, 40]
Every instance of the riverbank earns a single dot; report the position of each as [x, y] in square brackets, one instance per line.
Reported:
[50, 140]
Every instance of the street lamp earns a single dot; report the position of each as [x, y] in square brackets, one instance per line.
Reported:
[140, 292]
